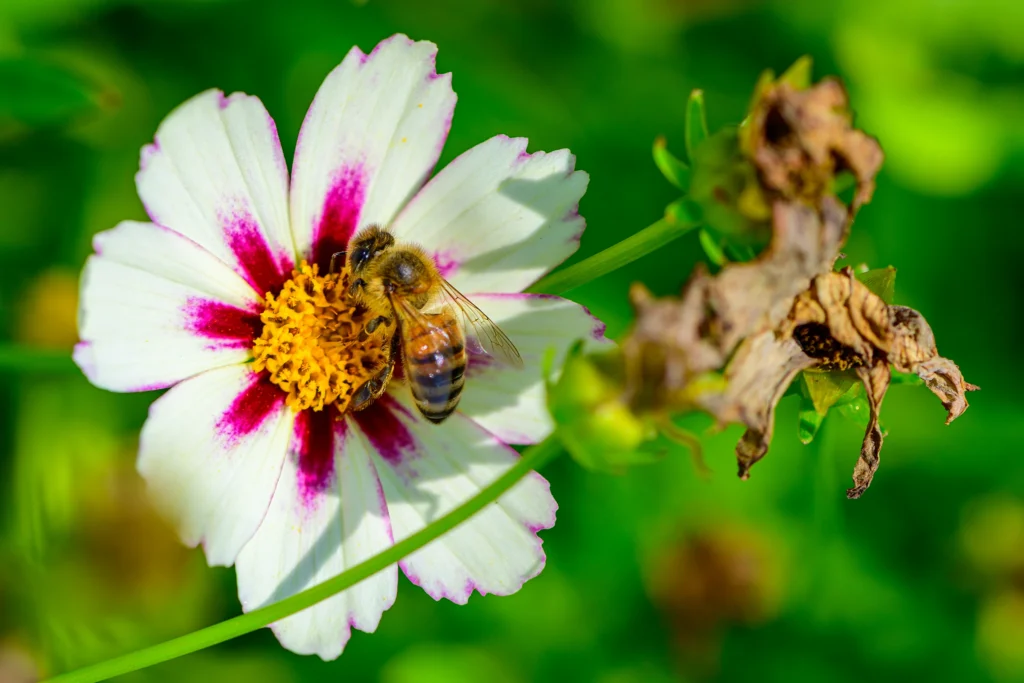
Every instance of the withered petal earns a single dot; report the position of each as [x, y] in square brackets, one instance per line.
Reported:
[943, 377]
[756, 378]
[876, 379]
[914, 350]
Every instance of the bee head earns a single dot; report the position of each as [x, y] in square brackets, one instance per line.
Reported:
[368, 244]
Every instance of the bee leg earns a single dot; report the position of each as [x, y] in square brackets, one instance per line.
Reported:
[372, 326]
[687, 439]
[358, 285]
[372, 388]
[334, 261]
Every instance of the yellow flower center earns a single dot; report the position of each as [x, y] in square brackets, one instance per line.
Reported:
[314, 345]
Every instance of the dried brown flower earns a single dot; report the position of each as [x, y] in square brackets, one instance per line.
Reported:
[786, 311]
[801, 139]
[841, 325]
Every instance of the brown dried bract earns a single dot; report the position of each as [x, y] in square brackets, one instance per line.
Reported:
[800, 139]
[676, 340]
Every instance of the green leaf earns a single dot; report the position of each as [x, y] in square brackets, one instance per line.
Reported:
[905, 378]
[825, 389]
[674, 170]
[713, 248]
[696, 122]
[35, 93]
[810, 421]
[881, 281]
[858, 411]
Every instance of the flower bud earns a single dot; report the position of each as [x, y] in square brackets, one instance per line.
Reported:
[593, 419]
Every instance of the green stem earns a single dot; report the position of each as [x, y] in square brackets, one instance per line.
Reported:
[24, 359]
[533, 458]
[614, 257]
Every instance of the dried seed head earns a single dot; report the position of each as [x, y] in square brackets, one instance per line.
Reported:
[801, 139]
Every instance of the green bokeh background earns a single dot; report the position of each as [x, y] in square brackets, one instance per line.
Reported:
[922, 579]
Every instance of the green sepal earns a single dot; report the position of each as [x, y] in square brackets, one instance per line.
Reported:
[674, 169]
[798, 74]
[809, 421]
[726, 187]
[881, 281]
[713, 247]
[826, 389]
[696, 122]
[740, 253]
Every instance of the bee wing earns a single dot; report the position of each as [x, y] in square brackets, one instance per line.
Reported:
[488, 335]
[416, 321]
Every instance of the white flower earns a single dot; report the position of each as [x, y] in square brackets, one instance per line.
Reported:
[293, 498]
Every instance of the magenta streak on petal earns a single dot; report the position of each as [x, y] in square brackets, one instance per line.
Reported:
[251, 408]
[339, 217]
[231, 327]
[260, 268]
[447, 263]
[315, 432]
[386, 433]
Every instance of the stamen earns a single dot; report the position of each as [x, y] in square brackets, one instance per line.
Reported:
[313, 343]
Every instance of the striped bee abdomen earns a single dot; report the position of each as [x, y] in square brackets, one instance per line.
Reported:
[435, 363]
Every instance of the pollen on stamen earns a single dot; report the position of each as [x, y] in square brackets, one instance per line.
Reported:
[311, 345]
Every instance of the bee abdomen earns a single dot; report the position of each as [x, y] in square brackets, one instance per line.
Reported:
[437, 391]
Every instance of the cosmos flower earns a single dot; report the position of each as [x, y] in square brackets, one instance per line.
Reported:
[285, 484]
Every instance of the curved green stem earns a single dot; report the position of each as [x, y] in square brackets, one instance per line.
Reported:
[640, 244]
[25, 359]
[533, 458]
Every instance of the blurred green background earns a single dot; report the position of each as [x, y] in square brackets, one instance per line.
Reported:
[659, 575]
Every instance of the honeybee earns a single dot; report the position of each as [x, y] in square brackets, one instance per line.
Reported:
[402, 283]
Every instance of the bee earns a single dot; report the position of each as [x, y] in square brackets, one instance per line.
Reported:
[401, 283]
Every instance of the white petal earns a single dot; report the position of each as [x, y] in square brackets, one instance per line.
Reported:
[211, 453]
[426, 471]
[368, 143]
[496, 218]
[328, 514]
[511, 402]
[157, 308]
[216, 174]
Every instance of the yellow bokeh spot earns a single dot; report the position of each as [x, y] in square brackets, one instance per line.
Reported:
[314, 343]
[48, 317]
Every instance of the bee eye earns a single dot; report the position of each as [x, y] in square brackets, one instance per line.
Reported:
[359, 258]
